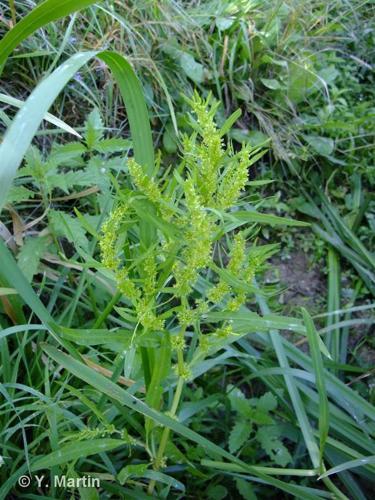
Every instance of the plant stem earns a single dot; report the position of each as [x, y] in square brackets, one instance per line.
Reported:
[13, 11]
[166, 430]
[100, 320]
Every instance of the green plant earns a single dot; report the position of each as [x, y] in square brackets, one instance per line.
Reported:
[133, 306]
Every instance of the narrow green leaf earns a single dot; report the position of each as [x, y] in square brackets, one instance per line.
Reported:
[44, 13]
[294, 394]
[359, 462]
[317, 362]
[75, 451]
[48, 117]
[253, 216]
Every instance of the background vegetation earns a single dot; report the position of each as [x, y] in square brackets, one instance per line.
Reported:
[293, 395]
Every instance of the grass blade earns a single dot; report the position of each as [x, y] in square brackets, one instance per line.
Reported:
[75, 451]
[359, 462]
[44, 13]
[48, 117]
[334, 274]
[317, 362]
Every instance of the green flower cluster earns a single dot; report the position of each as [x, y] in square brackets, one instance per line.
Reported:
[208, 182]
[197, 240]
[142, 299]
[220, 174]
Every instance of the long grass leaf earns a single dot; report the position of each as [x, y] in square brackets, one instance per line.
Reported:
[47, 117]
[25, 124]
[359, 462]
[44, 13]
[334, 275]
[317, 362]
[75, 451]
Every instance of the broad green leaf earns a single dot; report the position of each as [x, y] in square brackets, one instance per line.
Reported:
[194, 70]
[271, 83]
[301, 79]
[94, 129]
[30, 255]
[322, 145]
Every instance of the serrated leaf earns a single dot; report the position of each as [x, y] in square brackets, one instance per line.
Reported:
[128, 471]
[57, 181]
[30, 255]
[245, 489]
[217, 492]
[68, 154]
[19, 193]
[239, 435]
[267, 402]
[238, 402]
[68, 227]
[260, 417]
[268, 437]
[114, 145]
[94, 129]
[81, 178]
[33, 162]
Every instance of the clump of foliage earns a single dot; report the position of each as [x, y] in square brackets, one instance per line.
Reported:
[137, 346]
[160, 282]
